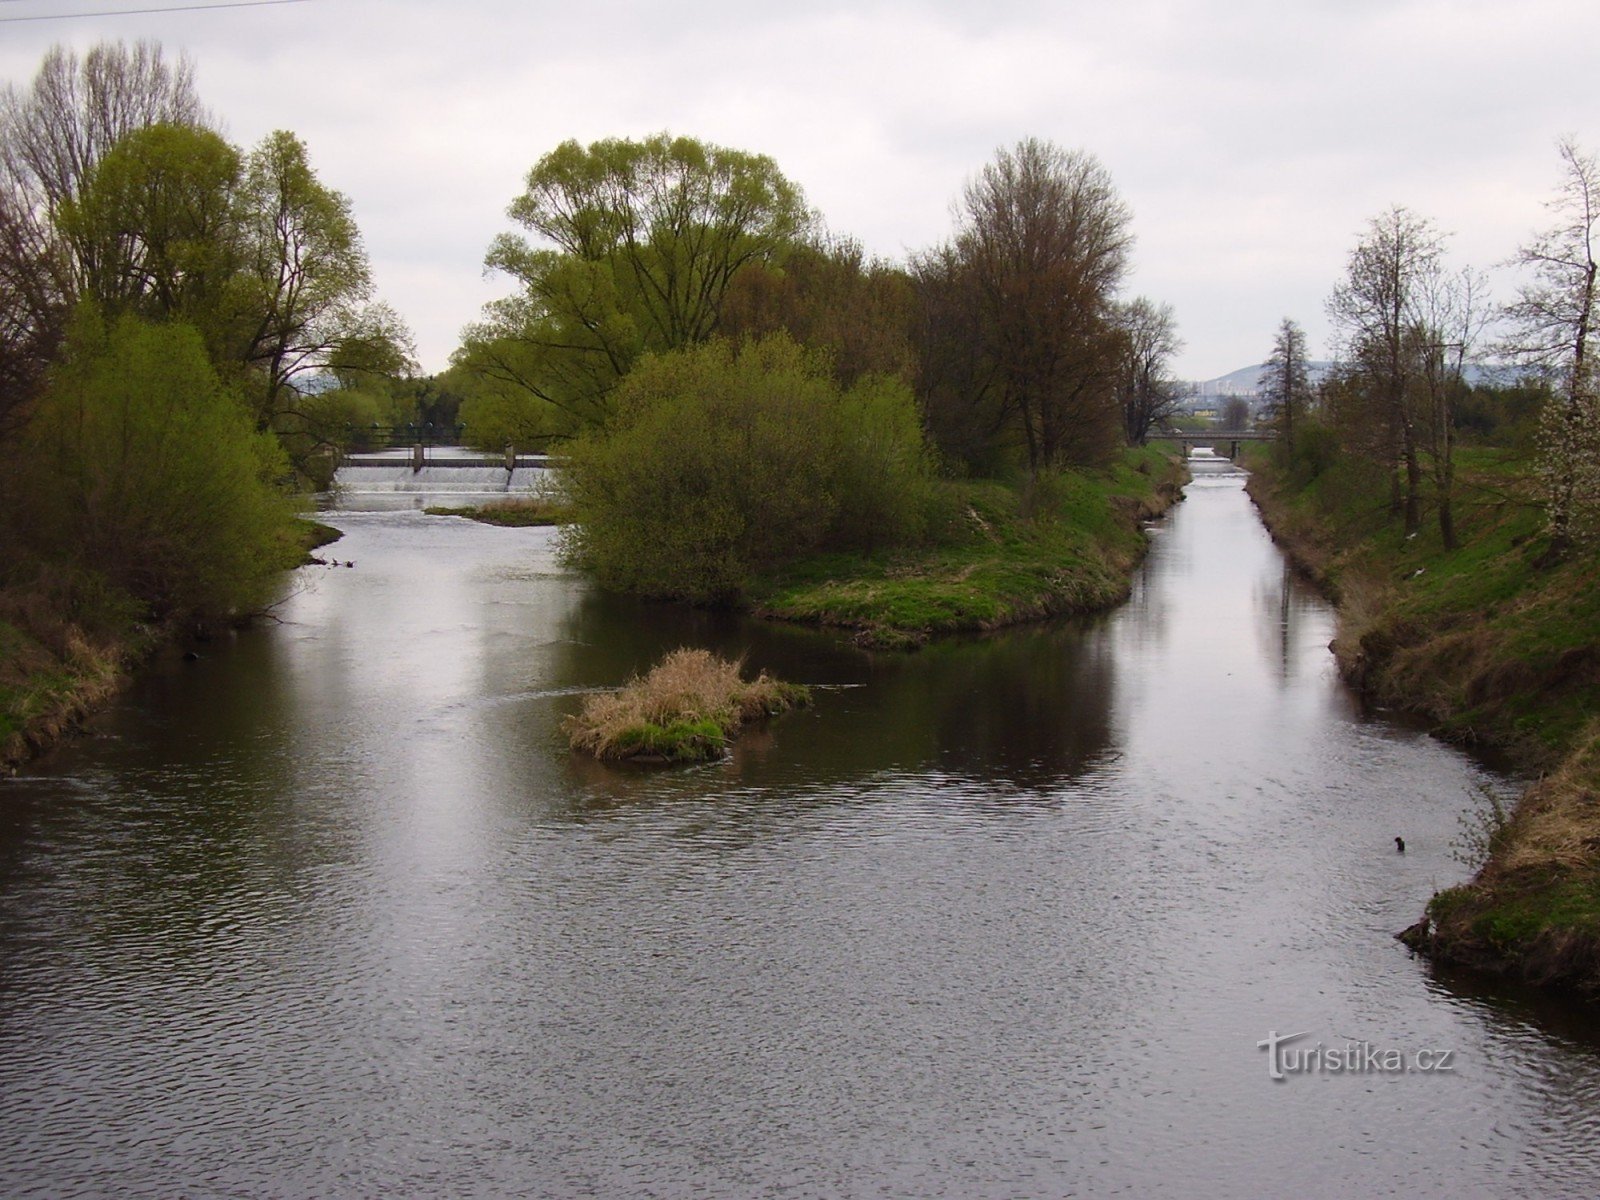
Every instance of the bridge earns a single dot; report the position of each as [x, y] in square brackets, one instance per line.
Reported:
[418, 456]
[1190, 438]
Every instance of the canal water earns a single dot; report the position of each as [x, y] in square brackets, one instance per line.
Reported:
[332, 911]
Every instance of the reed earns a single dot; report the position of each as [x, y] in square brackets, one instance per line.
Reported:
[686, 709]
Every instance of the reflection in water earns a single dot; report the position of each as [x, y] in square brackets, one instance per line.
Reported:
[335, 912]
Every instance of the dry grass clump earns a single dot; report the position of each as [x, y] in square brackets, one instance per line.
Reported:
[684, 710]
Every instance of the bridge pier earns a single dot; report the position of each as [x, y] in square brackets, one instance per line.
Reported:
[418, 457]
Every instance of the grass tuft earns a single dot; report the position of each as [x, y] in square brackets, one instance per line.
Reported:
[685, 710]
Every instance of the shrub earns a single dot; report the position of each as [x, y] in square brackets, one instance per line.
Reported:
[140, 468]
[722, 463]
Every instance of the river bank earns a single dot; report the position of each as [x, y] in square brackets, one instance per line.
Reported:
[1000, 555]
[58, 667]
[1495, 648]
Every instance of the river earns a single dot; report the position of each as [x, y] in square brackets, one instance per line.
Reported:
[332, 911]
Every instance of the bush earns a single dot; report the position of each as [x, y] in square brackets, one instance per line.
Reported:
[140, 468]
[723, 463]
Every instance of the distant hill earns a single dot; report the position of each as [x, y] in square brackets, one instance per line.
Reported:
[1246, 381]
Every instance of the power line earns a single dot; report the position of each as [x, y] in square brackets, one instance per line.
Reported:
[165, 8]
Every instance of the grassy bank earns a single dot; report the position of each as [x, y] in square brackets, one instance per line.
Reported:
[1496, 647]
[65, 651]
[999, 554]
[513, 512]
[685, 710]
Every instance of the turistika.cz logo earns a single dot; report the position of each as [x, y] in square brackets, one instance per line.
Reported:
[1350, 1058]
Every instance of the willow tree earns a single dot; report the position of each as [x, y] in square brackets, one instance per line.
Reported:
[634, 246]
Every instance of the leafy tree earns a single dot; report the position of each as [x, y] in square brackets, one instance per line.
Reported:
[638, 243]
[721, 463]
[1554, 320]
[1040, 248]
[52, 136]
[312, 283]
[1284, 383]
[1149, 339]
[153, 230]
[141, 467]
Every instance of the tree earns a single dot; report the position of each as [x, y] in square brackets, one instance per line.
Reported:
[152, 229]
[1449, 319]
[141, 467]
[312, 285]
[1284, 383]
[722, 462]
[1040, 249]
[1375, 308]
[1554, 321]
[1149, 339]
[829, 295]
[638, 245]
[53, 134]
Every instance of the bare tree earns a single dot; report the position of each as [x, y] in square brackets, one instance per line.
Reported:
[1284, 383]
[1554, 320]
[1149, 339]
[1042, 242]
[54, 133]
[1375, 309]
[1451, 315]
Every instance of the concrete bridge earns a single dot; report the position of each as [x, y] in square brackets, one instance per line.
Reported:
[419, 456]
[1188, 439]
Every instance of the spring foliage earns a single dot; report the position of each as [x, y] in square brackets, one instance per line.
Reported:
[141, 469]
[725, 462]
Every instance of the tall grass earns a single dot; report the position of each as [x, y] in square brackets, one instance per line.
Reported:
[684, 710]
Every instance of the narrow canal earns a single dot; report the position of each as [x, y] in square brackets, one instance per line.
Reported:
[333, 912]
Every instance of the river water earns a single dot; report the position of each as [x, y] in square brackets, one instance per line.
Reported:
[332, 911]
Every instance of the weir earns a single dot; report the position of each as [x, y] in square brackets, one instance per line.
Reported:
[367, 478]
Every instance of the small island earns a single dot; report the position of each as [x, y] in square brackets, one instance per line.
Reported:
[685, 710]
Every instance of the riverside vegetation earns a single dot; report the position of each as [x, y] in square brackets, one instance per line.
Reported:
[1497, 648]
[750, 410]
[685, 710]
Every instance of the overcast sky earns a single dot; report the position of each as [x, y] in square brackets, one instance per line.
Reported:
[1252, 138]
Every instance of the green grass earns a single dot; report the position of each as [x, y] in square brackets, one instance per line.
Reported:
[514, 513]
[998, 554]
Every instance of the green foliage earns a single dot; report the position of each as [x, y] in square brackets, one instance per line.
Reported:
[647, 238]
[723, 463]
[996, 554]
[153, 229]
[142, 468]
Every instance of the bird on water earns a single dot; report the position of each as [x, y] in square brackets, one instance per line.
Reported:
[1400, 844]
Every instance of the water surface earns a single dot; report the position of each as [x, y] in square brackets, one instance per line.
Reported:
[333, 911]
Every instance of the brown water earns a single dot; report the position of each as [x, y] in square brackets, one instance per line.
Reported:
[333, 912]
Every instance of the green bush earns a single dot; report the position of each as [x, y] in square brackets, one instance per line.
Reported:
[723, 463]
[141, 468]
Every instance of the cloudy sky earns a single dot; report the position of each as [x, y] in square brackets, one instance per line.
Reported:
[1252, 138]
